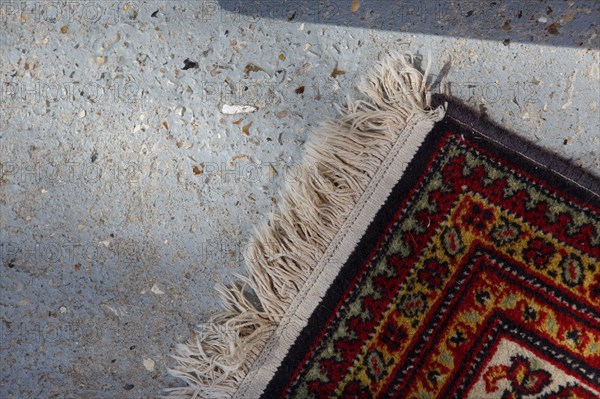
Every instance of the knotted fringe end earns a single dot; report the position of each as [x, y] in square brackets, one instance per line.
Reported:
[339, 161]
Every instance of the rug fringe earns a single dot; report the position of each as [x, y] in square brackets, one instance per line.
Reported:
[339, 161]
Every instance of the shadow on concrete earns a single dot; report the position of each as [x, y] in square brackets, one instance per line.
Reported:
[554, 23]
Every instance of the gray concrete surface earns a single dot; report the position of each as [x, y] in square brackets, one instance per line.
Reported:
[126, 193]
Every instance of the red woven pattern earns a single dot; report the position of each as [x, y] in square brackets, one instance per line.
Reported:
[485, 283]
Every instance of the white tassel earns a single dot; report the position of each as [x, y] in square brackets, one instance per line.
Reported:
[339, 162]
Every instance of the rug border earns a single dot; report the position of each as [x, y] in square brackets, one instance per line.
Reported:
[547, 165]
[553, 163]
[341, 159]
[300, 313]
[344, 277]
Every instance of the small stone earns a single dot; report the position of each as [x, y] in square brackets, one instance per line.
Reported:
[149, 364]
[82, 113]
[553, 28]
[156, 290]
[337, 72]
[251, 68]
[237, 109]
[64, 29]
[246, 129]
[62, 309]
[188, 64]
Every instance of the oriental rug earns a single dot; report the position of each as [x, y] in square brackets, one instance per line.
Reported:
[429, 253]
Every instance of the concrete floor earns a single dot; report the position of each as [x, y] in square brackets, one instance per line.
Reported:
[126, 193]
